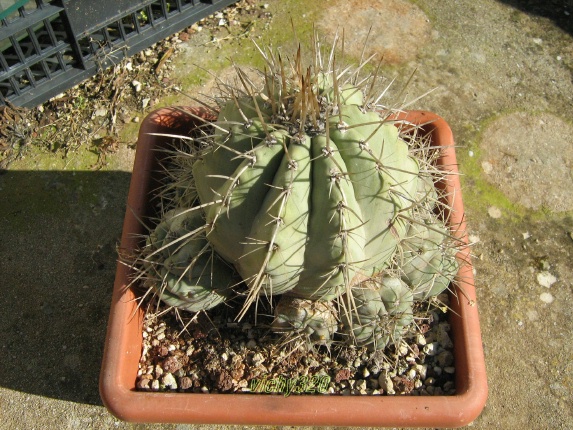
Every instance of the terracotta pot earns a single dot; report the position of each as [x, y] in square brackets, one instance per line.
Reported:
[124, 339]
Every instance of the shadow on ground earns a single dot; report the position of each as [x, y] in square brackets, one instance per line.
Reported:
[559, 11]
[55, 295]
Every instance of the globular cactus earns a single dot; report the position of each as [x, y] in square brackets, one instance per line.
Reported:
[381, 312]
[315, 319]
[305, 188]
[192, 276]
[427, 261]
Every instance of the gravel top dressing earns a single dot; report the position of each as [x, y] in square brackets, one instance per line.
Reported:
[214, 354]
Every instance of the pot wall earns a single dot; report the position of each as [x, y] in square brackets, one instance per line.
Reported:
[124, 340]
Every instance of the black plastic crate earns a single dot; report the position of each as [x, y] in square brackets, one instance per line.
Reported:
[47, 47]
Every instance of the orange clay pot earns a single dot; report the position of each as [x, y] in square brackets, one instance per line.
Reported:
[124, 336]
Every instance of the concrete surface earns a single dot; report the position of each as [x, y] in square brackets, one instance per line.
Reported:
[490, 62]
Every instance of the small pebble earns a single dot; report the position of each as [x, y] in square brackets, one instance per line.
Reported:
[546, 279]
[443, 337]
[487, 167]
[494, 212]
[546, 298]
[158, 371]
[136, 85]
[422, 370]
[386, 384]
[169, 381]
[429, 381]
[431, 349]
[445, 358]
[185, 383]
[143, 384]
[360, 385]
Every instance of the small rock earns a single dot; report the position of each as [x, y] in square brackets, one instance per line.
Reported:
[430, 381]
[342, 375]
[145, 102]
[494, 212]
[143, 384]
[487, 167]
[185, 383]
[158, 371]
[169, 381]
[258, 359]
[422, 370]
[172, 364]
[443, 337]
[445, 358]
[136, 85]
[386, 384]
[431, 349]
[546, 279]
[526, 235]
[360, 385]
[547, 298]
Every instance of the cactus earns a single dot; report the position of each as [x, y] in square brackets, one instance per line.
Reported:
[315, 319]
[193, 277]
[305, 189]
[382, 312]
[428, 261]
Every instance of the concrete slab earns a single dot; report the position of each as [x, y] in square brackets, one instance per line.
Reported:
[59, 224]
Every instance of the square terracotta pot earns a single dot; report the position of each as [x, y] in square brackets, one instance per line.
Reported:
[124, 336]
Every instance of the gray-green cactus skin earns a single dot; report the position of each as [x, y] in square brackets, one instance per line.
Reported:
[304, 188]
[427, 262]
[381, 313]
[304, 213]
[193, 277]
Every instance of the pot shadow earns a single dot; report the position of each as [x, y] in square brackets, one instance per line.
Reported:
[59, 232]
[559, 11]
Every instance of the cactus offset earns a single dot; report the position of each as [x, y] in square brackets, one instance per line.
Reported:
[382, 312]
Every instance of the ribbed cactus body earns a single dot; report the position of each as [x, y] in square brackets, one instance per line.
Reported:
[315, 319]
[305, 214]
[192, 276]
[428, 261]
[381, 312]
